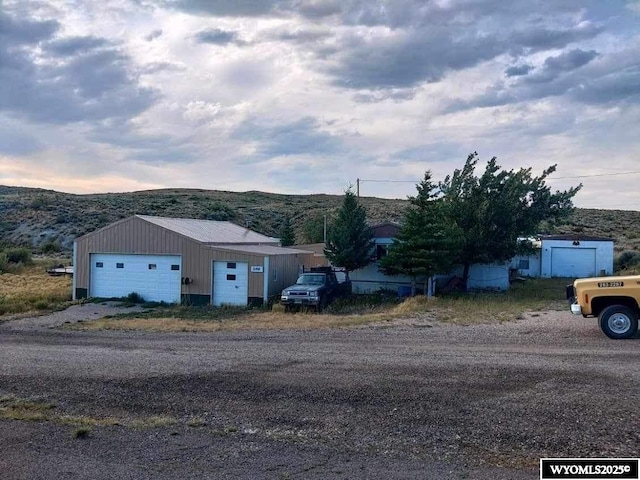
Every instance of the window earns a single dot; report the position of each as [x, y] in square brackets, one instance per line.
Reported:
[523, 264]
[152, 266]
[99, 265]
[231, 277]
[231, 265]
[175, 267]
[119, 265]
[275, 274]
[381, 251]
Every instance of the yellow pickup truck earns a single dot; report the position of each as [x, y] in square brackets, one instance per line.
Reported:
[614, 300]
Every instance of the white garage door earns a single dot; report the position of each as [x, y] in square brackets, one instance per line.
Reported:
[230, 283]
[155, 277]
[573, 262]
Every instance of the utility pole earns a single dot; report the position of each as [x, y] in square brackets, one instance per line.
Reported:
[325, 229]
[358, 187]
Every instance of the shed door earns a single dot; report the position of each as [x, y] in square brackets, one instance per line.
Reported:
[230, 283]
[155, 277]
[573, 262]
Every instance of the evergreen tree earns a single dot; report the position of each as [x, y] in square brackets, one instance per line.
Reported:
[428, 242]
[287, 235]
[493, 210]
[313, 229]
[349, 239]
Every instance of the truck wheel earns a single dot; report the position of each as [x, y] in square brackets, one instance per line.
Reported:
[619, 321]
[322, 303]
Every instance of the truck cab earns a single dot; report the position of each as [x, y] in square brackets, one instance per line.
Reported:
[315, 288]
[615, 301]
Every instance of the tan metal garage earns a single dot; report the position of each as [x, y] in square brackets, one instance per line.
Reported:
[181, 259]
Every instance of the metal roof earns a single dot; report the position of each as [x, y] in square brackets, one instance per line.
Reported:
[576, 237]
[210, 231]
[261, 249]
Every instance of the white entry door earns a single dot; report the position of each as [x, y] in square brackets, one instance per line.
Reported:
[155, 277]
[230, 283]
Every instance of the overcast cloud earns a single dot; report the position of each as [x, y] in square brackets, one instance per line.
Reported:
[306, 96]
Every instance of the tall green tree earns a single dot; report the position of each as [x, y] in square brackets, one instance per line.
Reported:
[287, 234]
[313, 229]
[428, 242]
[497, 207]
[349, 237]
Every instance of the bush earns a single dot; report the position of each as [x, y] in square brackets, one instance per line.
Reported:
[18, 255]
[51, 246]
[3, 262]
[134, 297]
[626, 260]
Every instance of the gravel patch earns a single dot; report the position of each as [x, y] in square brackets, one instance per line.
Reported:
[411, 399]
[79, 312]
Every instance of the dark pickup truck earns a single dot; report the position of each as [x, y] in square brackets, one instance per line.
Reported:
[314, 289]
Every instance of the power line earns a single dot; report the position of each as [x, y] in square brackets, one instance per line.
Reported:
[595, 175]
[388, 181]
[548, 178]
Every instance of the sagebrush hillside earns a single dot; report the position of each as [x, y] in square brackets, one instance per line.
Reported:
[50, 220]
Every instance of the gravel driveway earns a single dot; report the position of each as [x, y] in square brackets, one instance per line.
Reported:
[416, 399]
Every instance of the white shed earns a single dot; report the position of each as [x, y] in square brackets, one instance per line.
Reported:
[576, 256]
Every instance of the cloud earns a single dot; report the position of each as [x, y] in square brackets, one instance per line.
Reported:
[16, 140]
[298, 36]
[225, 8]
[296, 138]
[216, 36]
[537, 39]
[15, 31]
[69, 46]
[153, 35]
[581, 76]
[518, 70]
[553, 67]
[72, 79]
[393, 95]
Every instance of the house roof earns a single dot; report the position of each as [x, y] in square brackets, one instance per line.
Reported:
[210, 231]
[261, 249]
[316, 248]
[385, 230]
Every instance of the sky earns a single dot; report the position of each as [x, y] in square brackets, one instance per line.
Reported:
[307, 96]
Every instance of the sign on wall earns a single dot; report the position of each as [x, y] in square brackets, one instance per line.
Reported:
[257, 269]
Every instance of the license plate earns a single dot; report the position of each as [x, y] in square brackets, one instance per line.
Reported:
[297, 300]
[610, 284]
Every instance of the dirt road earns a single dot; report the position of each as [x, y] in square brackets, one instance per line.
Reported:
[414, 400]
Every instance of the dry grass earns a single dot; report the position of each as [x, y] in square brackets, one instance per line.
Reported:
[459, 309]
[32, 289]
[14, 408]
[247, 321]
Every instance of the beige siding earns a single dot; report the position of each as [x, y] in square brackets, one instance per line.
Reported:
[284, 269]
[136, 236]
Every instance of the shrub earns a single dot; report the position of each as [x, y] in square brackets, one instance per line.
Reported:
[3, 262]
[51, 246]
[134, 297]
[627, 260]
[18, 255]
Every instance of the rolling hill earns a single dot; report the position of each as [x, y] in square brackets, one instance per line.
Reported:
[50, 220]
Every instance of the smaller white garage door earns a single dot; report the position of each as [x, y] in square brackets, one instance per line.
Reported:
[155, 277]
[573, 262]
[230, 283]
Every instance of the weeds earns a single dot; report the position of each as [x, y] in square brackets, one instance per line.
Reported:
[81, 432]
[532, 295]
[14, 408]
[32, 289]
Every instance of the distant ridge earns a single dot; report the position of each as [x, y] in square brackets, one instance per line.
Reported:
[42, 218]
